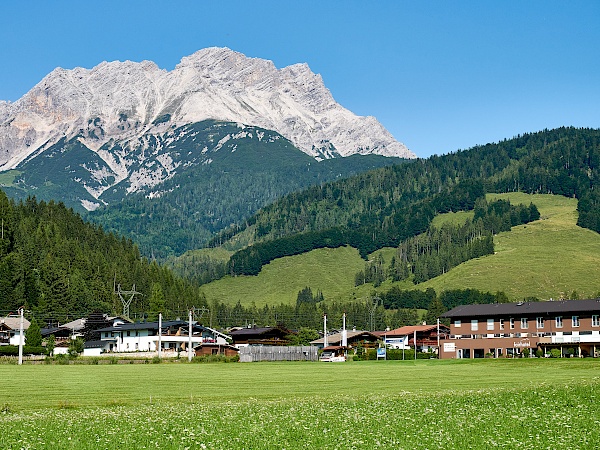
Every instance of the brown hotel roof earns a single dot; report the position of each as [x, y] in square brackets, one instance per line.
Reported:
[525, 308]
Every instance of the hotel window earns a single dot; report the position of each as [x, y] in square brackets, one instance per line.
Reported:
[490, 324]
[474, 325]
[558, 321]
[512, 323]
[524, 324]
[575, 321]
[501, 323]
[595, 321]
[539, 322]
[457, 323]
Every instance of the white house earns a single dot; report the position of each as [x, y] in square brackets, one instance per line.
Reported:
[10, 330]
[144, 337]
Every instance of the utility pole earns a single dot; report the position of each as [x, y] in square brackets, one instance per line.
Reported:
[21, 337]
[344, 332]
[415, 337]
[372, 310]
[159, 335]
[325, 344]
[190, 336]
[438, 338]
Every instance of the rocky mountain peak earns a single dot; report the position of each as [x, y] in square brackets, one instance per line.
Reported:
[121, 101]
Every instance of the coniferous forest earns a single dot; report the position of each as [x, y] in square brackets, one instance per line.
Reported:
[384, 207]
[57, 266]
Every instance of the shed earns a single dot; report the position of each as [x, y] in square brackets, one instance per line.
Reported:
[95, 348]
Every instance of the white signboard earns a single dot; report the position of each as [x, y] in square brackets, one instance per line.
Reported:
[394, 341]
[449, 347]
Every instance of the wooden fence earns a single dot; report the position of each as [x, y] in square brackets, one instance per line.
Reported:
[275, 353]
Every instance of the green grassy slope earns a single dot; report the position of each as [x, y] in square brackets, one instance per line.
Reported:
[329, 270]
[548, 258]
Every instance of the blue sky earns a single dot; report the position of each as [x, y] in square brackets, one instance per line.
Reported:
[439, 75]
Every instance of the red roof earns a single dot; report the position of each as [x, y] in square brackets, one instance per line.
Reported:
[409, 330]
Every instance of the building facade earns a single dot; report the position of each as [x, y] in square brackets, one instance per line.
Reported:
[426, 337]
[571, 327]
[10, 330]
[144, 336]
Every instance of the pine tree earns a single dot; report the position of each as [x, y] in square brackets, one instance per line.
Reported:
[33, 334]
[157, 302]
[434, 311]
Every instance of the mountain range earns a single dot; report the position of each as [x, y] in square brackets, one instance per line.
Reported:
[126, 119]
[168, 158]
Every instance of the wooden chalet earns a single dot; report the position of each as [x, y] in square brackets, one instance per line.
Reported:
[260, 336]
[354, 338]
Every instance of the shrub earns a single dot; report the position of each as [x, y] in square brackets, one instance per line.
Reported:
[215, 358]
[76, 347]
[393, 354]
[13, 350]
[9, 350]
[62, 359]
[555, 353]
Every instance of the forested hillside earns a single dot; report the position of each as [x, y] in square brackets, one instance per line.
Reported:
[58, 266]
[222, 187]
[386, 206]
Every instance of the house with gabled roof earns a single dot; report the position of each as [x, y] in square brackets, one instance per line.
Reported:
[10, 329]
[366, 339]
[404, 337]
[260, 336]
[144, 337]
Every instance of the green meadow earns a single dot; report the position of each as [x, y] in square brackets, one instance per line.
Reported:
[329, 270]
[520, 404]
[549, 258]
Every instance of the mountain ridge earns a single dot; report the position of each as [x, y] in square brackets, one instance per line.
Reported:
[123, 101]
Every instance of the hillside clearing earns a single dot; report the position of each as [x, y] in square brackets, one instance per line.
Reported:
[549, 258]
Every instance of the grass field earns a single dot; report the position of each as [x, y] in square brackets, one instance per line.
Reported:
[528, 404]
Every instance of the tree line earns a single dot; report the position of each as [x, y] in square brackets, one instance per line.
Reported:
[438, 250]
[367, 237]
